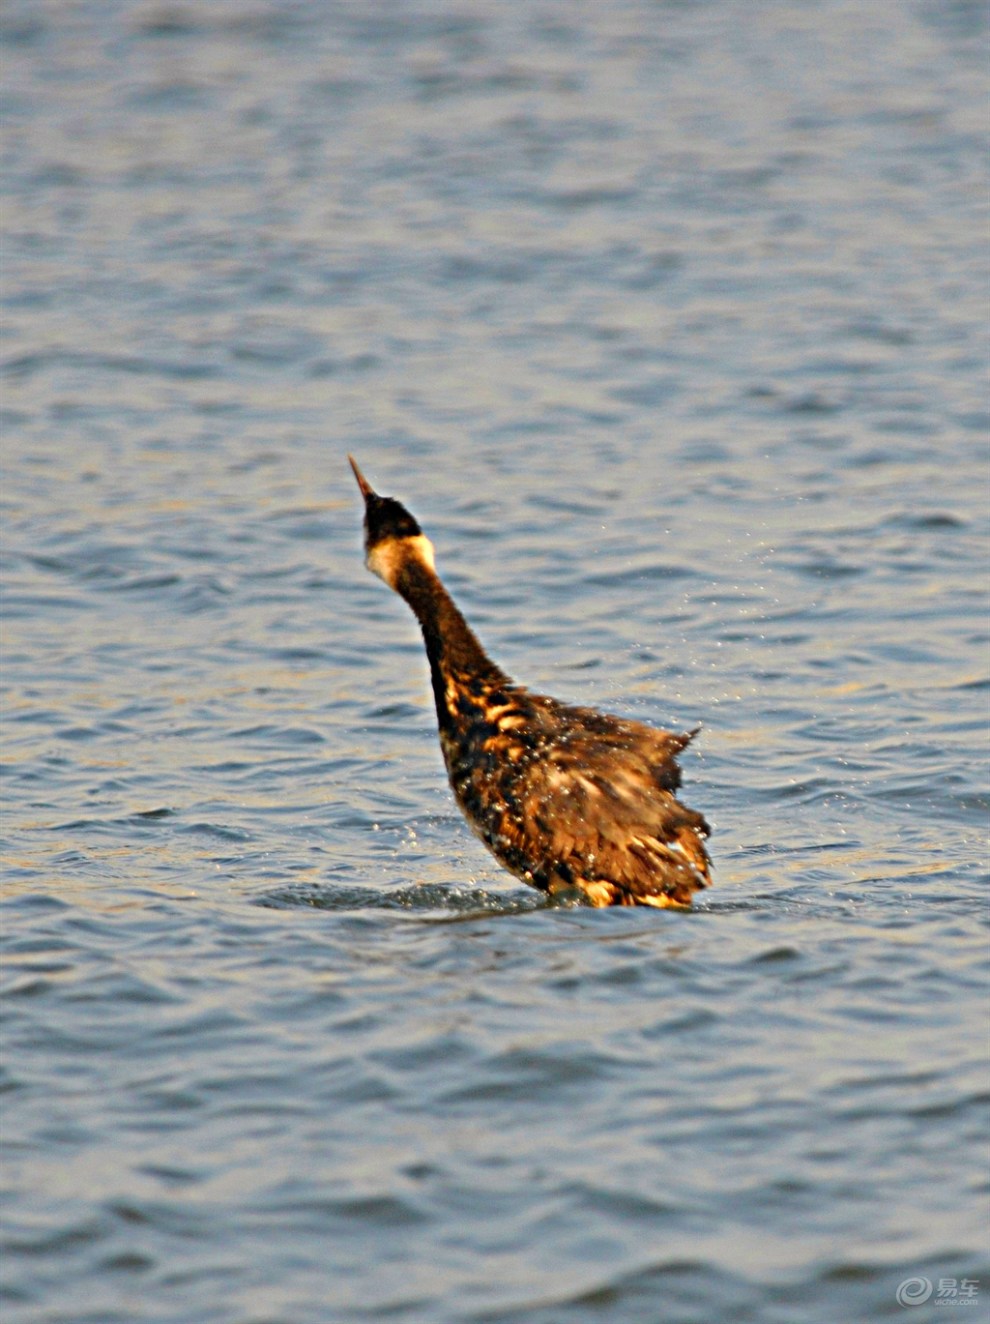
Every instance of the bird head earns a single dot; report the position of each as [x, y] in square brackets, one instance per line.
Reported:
[392, 537]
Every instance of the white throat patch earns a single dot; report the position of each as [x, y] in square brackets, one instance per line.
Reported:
[387, 558]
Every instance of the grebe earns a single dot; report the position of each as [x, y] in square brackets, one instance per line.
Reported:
[574, 802]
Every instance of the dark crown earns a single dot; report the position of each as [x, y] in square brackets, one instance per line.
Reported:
[384, 517]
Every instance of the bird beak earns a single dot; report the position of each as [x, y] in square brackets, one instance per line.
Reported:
[367, 491]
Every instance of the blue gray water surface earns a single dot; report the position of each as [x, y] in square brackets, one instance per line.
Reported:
[669, 323]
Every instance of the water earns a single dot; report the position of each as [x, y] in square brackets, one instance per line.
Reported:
[669, 323]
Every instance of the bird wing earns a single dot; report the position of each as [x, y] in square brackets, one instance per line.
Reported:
[604, 736]
[601, 794]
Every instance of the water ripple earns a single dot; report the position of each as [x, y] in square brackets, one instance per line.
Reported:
[673, 336]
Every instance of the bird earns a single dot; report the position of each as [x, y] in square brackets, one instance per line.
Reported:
[575, 802]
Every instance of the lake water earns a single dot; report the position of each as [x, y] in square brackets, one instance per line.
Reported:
[669, 322]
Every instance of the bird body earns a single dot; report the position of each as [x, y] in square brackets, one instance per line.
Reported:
[575, 802]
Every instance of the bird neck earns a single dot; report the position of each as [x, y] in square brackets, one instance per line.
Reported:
[459, 666]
